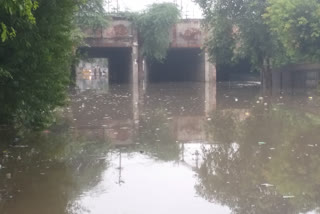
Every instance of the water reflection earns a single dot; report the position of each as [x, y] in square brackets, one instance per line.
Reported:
[173, 148]
[267, 162]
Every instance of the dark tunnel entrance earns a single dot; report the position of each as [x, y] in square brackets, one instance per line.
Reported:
[119, 62]
[240, 71]
[181, 65]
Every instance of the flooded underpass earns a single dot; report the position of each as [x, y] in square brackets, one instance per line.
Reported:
[171, 149]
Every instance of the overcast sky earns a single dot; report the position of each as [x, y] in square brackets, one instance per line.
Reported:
[189, 9]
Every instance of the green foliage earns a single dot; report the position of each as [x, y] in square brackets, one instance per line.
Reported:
[35, 65]
[15, 8]
[270, 33]
[221, 42]
[237, 30]
[91, 14]
[154, 27]
[297, 25]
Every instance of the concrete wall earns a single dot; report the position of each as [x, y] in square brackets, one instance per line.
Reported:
[120, 33]
[295, 78]
[187, 34]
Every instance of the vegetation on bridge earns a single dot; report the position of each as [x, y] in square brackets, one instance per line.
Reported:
[154, 26]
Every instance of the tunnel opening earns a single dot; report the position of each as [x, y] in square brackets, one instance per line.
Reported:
[119, 62]
[180, 65]
[240, 71]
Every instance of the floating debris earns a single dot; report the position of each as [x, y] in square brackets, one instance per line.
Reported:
[261, 143]
[288, 196]
[267, 185]
[8, 176]
[21, 146]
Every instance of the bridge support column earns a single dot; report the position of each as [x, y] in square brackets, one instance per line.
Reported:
[135, 67]
[211, 85]
[135, 82]
[210, 70]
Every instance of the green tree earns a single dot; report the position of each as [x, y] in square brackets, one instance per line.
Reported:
[297, 25]
[154, 26]
[91, 14]
[236, 30]
[19, 8]
[35, 65]
[38, 61]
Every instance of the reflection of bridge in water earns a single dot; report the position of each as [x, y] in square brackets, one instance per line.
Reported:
[120, 113]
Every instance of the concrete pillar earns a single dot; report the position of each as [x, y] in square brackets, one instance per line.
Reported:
[135, 104]
[210, 70]
[134, 66]
[210, 98]
[135, 83]
[210, 86]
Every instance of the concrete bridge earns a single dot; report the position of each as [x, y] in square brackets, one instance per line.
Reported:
[185, 61]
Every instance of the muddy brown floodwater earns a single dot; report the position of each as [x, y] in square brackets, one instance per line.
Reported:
[176, 148]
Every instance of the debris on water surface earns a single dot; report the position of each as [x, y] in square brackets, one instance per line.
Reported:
[20, 146]
[261, 143]
[267, 185]
[236, 99]
[288, 196]
[209, 119]
[310, 98]
[8, 176]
